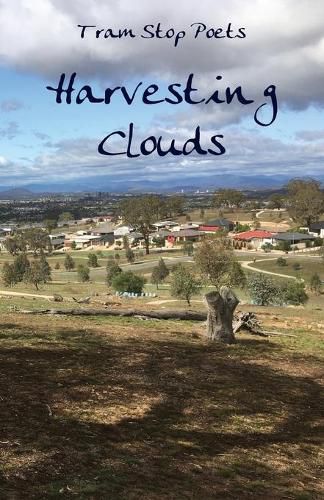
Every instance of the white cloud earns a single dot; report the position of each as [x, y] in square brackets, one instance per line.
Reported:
[284, 43]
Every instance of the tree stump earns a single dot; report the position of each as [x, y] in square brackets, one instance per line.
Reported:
[221, 306]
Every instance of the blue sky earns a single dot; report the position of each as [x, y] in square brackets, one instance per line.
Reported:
[43, 143]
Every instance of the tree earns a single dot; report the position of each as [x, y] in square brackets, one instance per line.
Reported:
[83, 273]
[93, 260]
[73, 245]
[228, 198]
[130, 256]
[8, 275]
[188, 248]
[276, 201]
[305, 201]
[140, 212]
[263, 290]
[66, 216]
[184, 284]
[37, 274]
[15, 244]
[174, 205]
[69, 263]
[315, 284]
[45, 268]
[125, 242]
[20, 265]
[159, 273]
[216, 261]
[36, 240]
[128, 282]
[112, 270]
[50, 224]
[57, 266]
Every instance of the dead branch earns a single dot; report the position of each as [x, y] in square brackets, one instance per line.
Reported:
[86, 300]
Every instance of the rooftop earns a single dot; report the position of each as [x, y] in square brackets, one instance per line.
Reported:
[292, 236]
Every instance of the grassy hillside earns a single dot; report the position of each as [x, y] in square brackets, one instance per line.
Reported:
[114, 408]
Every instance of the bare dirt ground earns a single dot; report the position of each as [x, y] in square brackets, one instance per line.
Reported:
[114, 408]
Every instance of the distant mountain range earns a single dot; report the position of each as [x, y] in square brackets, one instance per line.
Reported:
[106, 184]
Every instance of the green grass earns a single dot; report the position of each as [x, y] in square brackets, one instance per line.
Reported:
[309, 266]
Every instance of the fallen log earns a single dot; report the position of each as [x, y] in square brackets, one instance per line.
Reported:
[137, 313]
[177, 315]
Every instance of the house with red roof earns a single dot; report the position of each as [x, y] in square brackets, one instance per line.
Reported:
[253, 239]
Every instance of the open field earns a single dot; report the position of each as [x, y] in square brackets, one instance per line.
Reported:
[309, 266]
[122, 408]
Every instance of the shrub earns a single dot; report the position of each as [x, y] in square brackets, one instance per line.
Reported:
[281, 262]
[128, 282]
[284, 246]
[57, 265]
[93, 260]
[293, 293]
[83, 273]
[69, 263]
[315, 283]
[296, 266]
[158, 241]
[267, 247]
[8, 275]
[112, 270]
[130, 256]
[318, 242]
[188, 248]
[263, 290]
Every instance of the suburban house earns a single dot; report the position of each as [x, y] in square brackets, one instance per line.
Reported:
[134, 239]
[57, 240]
[162, 235]
[121, 231]
[178, 237]
[186, 225]
[106, 231]
[166, 224]
[6, 231]
[296, 240]
[84, 241]
[252, 239]
[317, 229]
[215, 225]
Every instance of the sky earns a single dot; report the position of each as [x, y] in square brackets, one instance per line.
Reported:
[44, 144]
